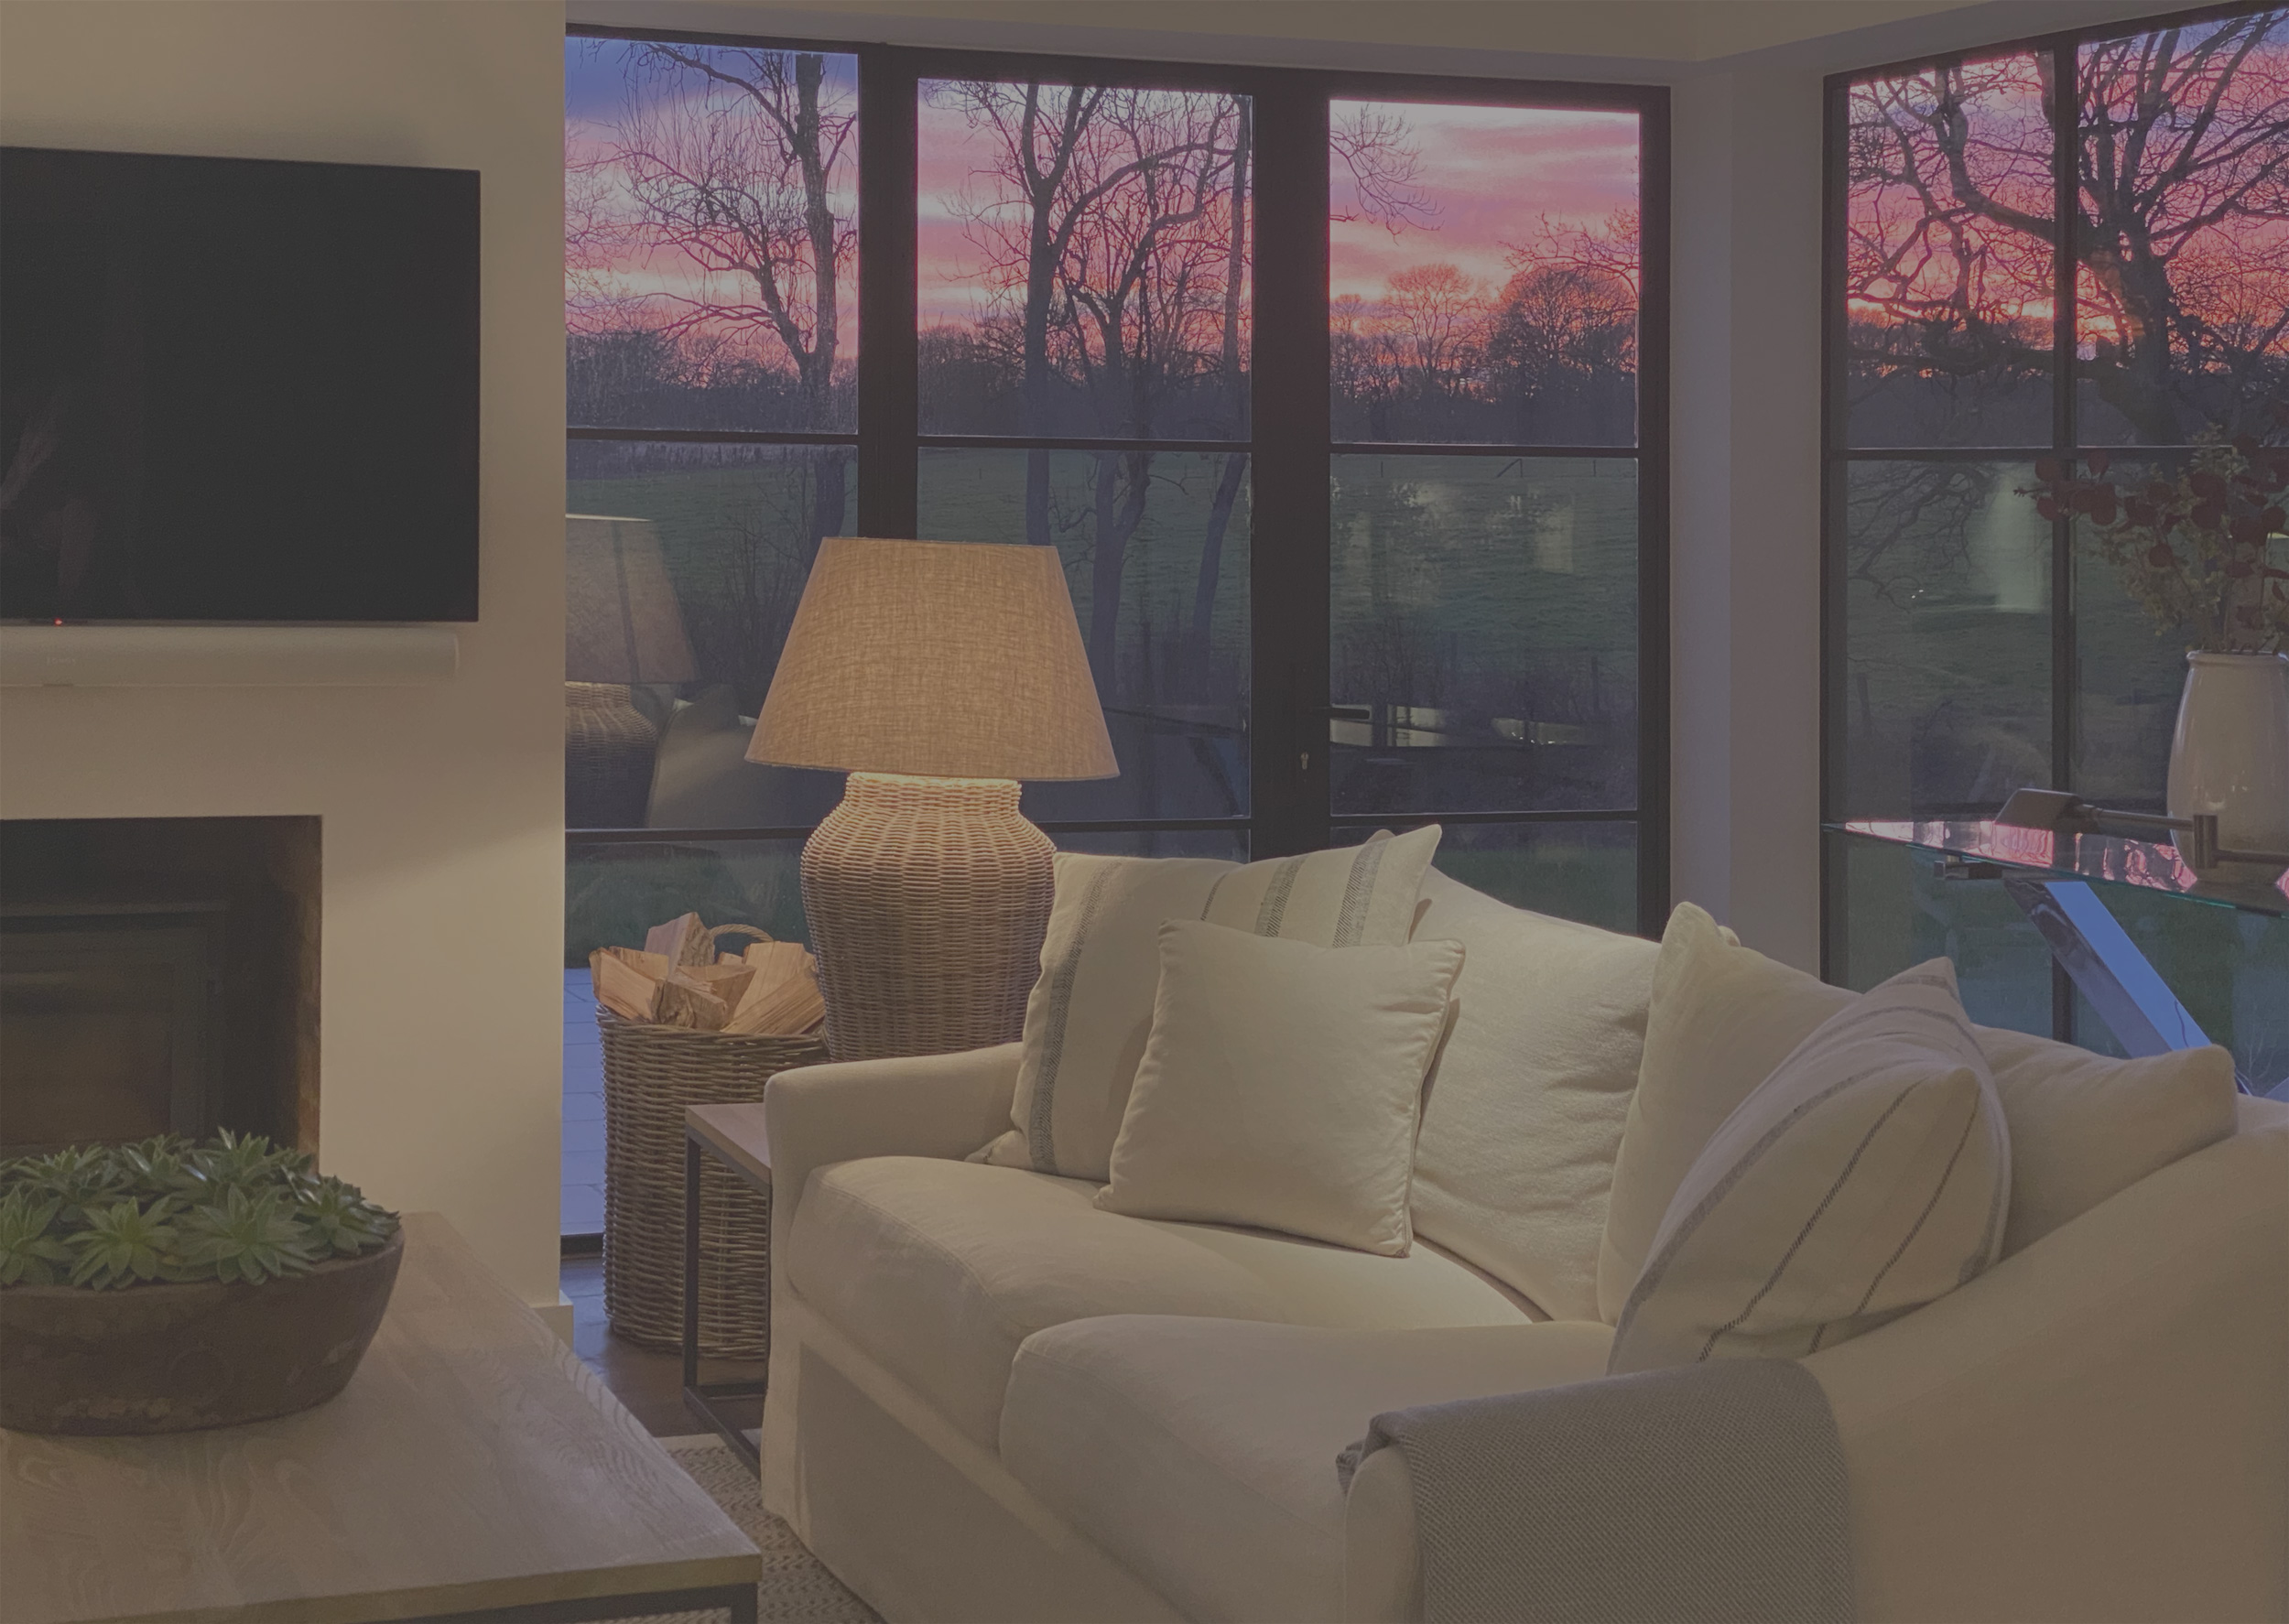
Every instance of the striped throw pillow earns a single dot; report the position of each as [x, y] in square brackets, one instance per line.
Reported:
[1867, 1176]
[1092, 1009]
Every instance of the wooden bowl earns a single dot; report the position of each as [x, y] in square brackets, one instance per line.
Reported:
[173, 1358]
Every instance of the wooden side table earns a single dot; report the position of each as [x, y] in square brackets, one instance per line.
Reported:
[735, 1136]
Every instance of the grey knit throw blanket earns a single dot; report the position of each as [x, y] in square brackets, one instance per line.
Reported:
[1709, 1494]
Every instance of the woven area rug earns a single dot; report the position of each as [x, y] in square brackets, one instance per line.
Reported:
[795, 1585]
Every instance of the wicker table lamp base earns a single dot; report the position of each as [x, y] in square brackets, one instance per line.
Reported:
[927, 900]
[608, 750]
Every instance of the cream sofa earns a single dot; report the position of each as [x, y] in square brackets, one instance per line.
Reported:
[991, 1401]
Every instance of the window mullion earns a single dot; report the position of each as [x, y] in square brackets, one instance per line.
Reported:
[889, 397]
[1289, 406]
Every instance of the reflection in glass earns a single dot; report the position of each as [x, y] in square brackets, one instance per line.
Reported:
[1483, 268]
[738, 526]
[1888, 911]
[710, 236]
[1947, 259]
[1155, 551]
[1947, 637]
[2184, 242]
[2227, 967]
[615, 893]
[1585, 872]
[1083, 262]
[1484, 630]
[2128, 674]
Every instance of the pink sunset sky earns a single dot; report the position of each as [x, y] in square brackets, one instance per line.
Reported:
[1490, 175]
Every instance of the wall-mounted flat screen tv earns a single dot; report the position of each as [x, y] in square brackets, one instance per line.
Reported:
[236, 391]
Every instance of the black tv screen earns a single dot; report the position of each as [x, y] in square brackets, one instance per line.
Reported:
[234, 390]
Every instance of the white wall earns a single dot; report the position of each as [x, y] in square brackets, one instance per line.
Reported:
[443, 805]
[1744, 505]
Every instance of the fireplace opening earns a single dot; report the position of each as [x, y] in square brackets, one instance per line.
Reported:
[157, 974]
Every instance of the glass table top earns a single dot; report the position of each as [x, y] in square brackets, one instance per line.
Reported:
[2147, 864]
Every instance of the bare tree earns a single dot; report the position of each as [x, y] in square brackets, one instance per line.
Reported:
[2184, 235]
[1108, 219]
[731, 159]
[2184, 166]
[1376, 146]
[1562, 337]
[1434, 335]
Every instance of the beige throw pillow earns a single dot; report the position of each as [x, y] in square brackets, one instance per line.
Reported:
[1723, 1018]
[1524, 1109]
[1282, 1085]
[2083, 1127]
[1089, 1011]
[1867, 1176]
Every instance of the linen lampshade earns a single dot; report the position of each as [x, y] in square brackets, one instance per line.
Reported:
[620, 620]
[935, 658]
[937, 673]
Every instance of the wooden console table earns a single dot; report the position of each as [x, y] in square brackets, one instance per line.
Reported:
[473, 1466]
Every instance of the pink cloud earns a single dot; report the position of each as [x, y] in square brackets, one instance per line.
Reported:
[1490, 175]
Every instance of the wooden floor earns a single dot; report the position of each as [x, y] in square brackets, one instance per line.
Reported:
[650, 1384]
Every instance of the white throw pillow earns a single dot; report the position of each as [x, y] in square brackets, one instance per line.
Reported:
[1524, 1108]
[2083, 1127]
[1723, 1018]
[1867, 1176]
[1089, 1011]
[2086, 1127]
[1282, 1085]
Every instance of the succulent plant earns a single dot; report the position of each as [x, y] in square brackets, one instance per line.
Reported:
[29, 1255]
[234, 1208]
[122, 1244]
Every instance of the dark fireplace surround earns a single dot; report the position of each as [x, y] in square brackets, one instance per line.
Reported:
[157, 974]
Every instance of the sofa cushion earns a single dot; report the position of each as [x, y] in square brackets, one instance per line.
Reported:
[1723, 1018]
[2083, 1127]
[1868, 1175]
[1283, 1085]
[1525, 1105]
[1200, 1452]
[1090, 1012]
[2086, 1127]
[940, 1270]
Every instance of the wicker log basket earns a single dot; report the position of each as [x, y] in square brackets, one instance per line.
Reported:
[651, 1073]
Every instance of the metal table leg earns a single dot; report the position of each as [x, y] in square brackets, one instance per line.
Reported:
[2098, 954]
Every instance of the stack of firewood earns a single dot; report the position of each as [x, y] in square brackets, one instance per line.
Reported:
[677, 978]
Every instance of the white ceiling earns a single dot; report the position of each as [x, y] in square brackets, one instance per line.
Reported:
[1624, 40]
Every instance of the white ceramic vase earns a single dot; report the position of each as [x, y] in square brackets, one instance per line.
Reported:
[2230, 752]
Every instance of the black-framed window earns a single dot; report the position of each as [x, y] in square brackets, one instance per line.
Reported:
[1342, 397]
[2048, 262]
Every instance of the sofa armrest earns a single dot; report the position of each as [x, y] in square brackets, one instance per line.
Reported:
[922, 1105]
[1382, 1565]
[2098, 1427]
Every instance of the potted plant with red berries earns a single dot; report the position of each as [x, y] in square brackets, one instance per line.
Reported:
[2205, 553]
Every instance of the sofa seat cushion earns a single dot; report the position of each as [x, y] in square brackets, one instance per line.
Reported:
[940, 1270]
[1200, 1452]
